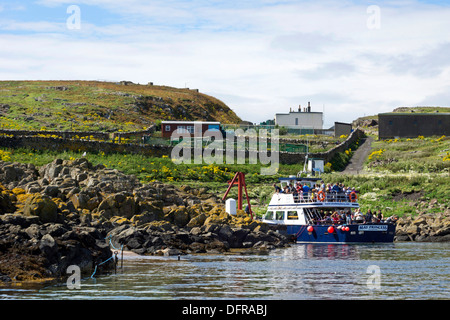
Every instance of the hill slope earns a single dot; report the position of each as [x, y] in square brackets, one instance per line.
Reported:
[102, 106]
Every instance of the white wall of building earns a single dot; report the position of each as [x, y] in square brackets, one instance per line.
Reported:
[300, 120]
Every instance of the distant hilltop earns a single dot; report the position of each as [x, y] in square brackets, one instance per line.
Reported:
[103, 106]
[422, 109]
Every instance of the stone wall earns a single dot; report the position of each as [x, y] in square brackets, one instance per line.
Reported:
[60, 144]
[63, 134]
[20, 140]
[294, 158]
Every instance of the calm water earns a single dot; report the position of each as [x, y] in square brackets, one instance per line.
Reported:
[304, 271]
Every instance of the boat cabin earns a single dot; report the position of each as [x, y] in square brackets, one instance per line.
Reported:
[308, 206]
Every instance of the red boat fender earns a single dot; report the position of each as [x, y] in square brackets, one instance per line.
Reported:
[310, 229]
[330, 229]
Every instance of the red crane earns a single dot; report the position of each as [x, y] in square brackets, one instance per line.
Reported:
[239, 180]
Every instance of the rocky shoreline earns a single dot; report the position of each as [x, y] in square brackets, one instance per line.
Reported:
[72, 213]
[426, 227]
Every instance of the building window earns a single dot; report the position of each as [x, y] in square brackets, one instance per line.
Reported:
[390, 122]
[296, 121]
[181, 129]
[190, 129]
[167, 128]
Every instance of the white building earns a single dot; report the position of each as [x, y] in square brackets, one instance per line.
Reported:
[300, 119]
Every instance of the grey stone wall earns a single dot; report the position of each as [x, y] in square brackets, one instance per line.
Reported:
[62, 144]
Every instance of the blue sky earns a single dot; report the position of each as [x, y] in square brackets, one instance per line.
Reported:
[259, 57]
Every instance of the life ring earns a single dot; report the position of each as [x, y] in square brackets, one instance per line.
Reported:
[321, 196]
[352, 196]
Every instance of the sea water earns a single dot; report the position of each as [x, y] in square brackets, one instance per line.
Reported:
[403, 270]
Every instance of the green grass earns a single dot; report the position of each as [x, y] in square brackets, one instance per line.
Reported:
[402, 187]
[405, 174]
[420, 155]
[151, 168]
[102, 106]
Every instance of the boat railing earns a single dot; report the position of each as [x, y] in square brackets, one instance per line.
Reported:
[332, 196]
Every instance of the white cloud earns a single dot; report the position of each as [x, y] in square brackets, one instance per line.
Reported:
[258, 57]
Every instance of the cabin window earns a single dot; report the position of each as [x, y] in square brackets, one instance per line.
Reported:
[167, 128]
[279, 215]
[292, 215]
[269, 215]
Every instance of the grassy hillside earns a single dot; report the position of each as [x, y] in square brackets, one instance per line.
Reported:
[406, 176]
[102, 106]
[422, 109]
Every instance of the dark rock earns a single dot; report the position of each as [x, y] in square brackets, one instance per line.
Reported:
[237, 238]
[48, 245]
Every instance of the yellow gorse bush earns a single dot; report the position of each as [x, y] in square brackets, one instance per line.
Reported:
[5, 155]
[376, 154]
[446, 158]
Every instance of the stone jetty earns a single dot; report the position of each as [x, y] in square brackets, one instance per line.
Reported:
[72, 213]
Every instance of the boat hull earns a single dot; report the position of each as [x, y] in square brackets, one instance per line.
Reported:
[363, 233]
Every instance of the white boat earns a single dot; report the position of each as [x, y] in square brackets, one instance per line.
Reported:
[318, 216]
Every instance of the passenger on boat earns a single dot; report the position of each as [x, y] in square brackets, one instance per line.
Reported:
[347, 192]
[380, 216]
[277, 188]
[294, 192]
[368, 217]
[391, 219]
[359, 218]
[348, 219]
[306, 188]
[336, 188]
[335, 217]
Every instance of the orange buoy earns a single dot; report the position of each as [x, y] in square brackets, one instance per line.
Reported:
[353, 197]
[331, 229]
[310, 229]
[321, 196]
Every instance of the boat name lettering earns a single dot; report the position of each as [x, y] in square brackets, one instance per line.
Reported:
[373, 228]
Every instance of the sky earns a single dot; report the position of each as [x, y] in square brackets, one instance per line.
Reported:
[348, 58]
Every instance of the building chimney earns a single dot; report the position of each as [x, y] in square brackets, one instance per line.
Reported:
[309, 106]
[299, 108]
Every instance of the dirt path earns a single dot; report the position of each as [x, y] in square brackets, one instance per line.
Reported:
[356, 164]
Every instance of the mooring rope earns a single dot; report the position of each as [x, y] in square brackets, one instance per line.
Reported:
[115, 254]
